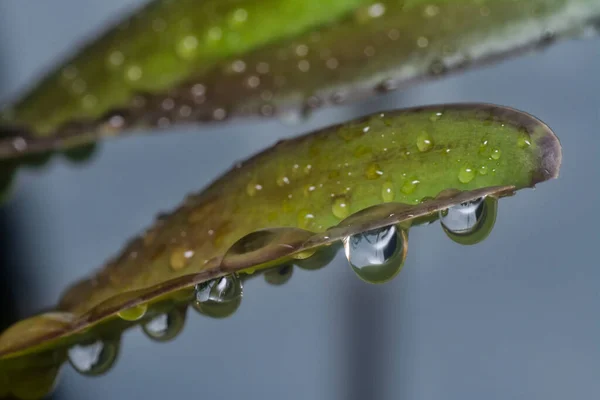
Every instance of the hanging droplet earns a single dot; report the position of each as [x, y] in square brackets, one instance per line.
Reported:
[220, 297]
[133, 313]
[279, 275]
[94, 358]
[319, 259]
[165, 327]
[377, 255]
[340, 207]
[471, 222]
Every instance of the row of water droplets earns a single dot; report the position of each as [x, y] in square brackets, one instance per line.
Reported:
[376, 256]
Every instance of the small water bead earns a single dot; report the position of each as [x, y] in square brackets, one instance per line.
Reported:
[94, 358]
[435, 116]
[483, 170]
[410, 186]
[373, 171]
[377, 256]
[387, 191]
[340, 207]
[167, 326]
[319, 258]
[115, 59]
[283, 180]
[280, 275]
[466, 174]
[424, 142]
[214, 34]
[187, 47]
[133, 73]
[180, 258]
[496, 153]
[524, 141]
[306, 219]
[133, 313]
[219, 298]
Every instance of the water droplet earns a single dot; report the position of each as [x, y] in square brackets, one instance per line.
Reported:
[115, 59]
[187, 47]
[238, 17]
[165, 327]
[306, 219]
[524, 141]
[214, 34]
[180, 258]
[133, 313]
[466, 174]
[304, 254]
[387, 191]
[462, 218]
[133, 73]
[377, 255]
[94, 358]
[424, 142]
[279, 275]
[283, 180]
[483, 170]
[373, 171]
[496, 154]
[431, 10]
[470, 222]
[219, 298]
[340, 207]
[422, 42]
[410, 186]
[303, 65]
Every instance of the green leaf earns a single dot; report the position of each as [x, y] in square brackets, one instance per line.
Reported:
[289, 204]
[177, 61]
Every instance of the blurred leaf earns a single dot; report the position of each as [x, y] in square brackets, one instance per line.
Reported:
[182, 61]
[400, 167]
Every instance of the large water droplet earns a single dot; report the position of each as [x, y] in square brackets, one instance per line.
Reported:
[279, 275]
[377, 255]
[220, 297]
[165, 327]
[471, 222]
[94, 358]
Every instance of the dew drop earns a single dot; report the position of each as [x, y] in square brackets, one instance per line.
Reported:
[165, 327]
[424, 142]
[483, 170]
[496, 153]
[94, 358]
[387, 191]
[187, 47]
[373, 171]
[466, 174]
[524, 141]
[410, 186]
[340, 207]
[219, 298]
[180, 258]
[306, 219]
[377, 255]
[470, 222]
[280, 275]
[133, 313]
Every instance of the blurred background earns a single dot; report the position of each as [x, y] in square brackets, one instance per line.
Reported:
[515, 317]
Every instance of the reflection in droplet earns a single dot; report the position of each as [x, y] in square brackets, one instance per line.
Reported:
[471, 222]
[377, 255]
[219, 298]
[462, 218]
[94, 358]
[165, 327]
[279, 275]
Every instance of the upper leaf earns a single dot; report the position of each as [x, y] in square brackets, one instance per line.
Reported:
[183, 61]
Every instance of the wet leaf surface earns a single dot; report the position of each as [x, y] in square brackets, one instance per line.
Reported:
[176, 62]
[287, 205]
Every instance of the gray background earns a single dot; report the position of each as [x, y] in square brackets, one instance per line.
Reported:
[515, 317]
